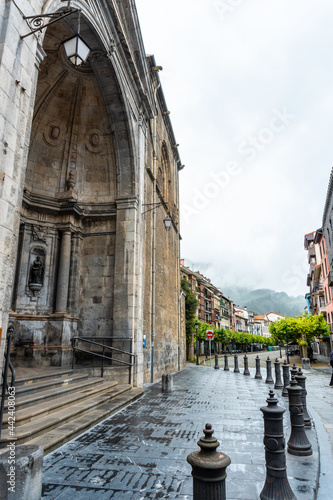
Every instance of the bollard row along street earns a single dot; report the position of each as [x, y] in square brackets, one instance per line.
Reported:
[141, 452]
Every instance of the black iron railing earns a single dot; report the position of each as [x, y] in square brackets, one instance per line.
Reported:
[8, 366]
[91, 341]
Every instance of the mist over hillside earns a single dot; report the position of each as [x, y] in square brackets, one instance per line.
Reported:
[264, 300]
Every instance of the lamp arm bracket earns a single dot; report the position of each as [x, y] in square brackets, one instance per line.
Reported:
[37, 23]
[152, 206]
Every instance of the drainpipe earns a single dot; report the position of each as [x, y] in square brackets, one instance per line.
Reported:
[179, 325]
[153, 272]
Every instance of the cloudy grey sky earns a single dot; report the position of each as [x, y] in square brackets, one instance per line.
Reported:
[250, 88]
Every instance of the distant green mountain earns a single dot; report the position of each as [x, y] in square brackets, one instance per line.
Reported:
[264, 300]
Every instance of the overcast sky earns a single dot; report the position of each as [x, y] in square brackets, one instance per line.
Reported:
[249, 84]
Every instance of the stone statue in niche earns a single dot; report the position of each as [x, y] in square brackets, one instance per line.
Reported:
[70, 182]
[36, 272]
[36, 278]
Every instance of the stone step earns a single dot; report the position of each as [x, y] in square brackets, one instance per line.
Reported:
[71, 419]
[30, 399]
[41, 377]
[56, 437]
[50, 402]
[35, 387]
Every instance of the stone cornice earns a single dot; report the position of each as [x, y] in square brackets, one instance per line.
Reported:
[328, 198]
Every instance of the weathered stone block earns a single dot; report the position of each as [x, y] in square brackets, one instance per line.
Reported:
[21, 472]
[167, 382]
[306, 363]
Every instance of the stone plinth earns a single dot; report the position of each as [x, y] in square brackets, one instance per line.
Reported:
[21, 472]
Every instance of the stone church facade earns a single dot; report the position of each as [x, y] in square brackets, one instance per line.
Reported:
[89, 172]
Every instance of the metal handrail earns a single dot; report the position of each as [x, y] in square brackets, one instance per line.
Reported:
[5, 386]
[103, 356]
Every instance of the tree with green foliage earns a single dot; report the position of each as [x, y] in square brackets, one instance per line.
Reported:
[191, 304]
[301, 330]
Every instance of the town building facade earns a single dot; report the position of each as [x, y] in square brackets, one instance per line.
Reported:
[213, 307]
[319, 297]
[264, 323]
[273, 316]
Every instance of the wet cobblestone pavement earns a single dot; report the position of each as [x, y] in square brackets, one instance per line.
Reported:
[140, 452]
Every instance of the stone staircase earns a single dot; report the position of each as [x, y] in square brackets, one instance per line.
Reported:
[52, 408]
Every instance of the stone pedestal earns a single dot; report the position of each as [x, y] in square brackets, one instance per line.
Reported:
[21, 472]
[306, 364]
[167, 382]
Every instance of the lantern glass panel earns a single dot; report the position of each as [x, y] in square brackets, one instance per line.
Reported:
[77, 50]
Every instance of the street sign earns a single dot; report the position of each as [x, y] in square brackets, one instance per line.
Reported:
[210, 334]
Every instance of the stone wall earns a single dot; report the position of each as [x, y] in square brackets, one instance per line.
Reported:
[19, 64]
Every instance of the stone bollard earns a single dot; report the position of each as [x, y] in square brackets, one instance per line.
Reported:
[298, 443]
[208, 468]
[167, 382]
[293, 371]
[269, 378]
[246, 366]
[306, 364]
[278, 381]
[24, 479]
[216, 362]
[300, 379]
[226, 366]
[236, 367]
[258, 373]
[285, 370]
[276, 484]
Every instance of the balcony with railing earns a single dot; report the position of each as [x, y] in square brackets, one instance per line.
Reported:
[317, 287]
[311, 253]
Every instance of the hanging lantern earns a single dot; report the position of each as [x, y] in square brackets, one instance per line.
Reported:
[76, 49]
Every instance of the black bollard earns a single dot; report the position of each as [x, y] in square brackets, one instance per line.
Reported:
[285, 370]
[269, 378]
[278, 381]
[300, 379]
[236, 368]
[226, 366]
[258, 373]
[208, 468]
[246, 366]
[293, 371]
[216, 362]
[298, 443]
[276, 484]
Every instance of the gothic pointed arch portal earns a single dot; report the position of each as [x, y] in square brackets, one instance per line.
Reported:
[79, 204]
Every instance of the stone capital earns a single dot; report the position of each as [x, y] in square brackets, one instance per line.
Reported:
[127, 203]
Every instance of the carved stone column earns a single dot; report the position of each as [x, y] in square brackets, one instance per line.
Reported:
[63, 274]
[127, 311]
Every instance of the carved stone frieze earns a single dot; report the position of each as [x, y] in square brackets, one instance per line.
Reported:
[40, 233]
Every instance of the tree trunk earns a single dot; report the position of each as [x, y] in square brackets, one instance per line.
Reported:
[191, 348]
[303, 351]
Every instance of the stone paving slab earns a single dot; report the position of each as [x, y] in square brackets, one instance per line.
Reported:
[140, 452]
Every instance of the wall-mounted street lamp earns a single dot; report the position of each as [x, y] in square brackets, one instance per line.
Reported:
[76, 49]
[167, 221]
